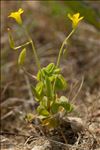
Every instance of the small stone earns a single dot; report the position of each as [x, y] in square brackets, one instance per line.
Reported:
[77, 124]
[38, 148]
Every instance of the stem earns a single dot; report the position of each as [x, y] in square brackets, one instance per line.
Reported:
[23, 45]
[33, 48]
[54, 87]
[48, 105]
[35, 54]
[61, 49]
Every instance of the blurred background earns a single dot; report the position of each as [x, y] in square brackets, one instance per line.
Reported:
[48, 26]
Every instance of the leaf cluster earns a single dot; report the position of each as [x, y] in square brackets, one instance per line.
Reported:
[49, 82]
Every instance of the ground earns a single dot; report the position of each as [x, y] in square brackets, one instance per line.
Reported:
[48, 29]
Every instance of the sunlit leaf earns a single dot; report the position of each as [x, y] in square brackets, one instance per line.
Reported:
[57, 71]
[41, 74]
[39, 87]
[63, 99]
[44, 102]
[35, 93]
[42, 111]
[50, 68]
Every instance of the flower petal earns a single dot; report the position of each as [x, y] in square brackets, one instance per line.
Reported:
[20, 11]
[76, 15]
[81, 18]
[70, 17]
[17, 15]
[75, 19]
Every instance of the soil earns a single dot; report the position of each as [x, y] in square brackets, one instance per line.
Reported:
[80, 130]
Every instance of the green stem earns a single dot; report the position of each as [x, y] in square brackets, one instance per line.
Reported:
[62, 46]
[23, 45]
[48, 105]
[35, 54]
[54, 88]
[33, 48]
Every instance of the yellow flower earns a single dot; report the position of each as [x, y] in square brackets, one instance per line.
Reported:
[17, 15]
[75, 19]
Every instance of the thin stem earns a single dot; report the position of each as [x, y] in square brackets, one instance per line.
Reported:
[62, 46]
[78, 90]
[48, 105]
[23, 45]
[54, 87]
[29, 88]
[29, 74]
[35, 54]
[33, 48]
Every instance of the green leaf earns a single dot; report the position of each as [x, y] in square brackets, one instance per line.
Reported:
[22, 56]
[60, 83]
[52, 78]
[39, 87]
[54, 108]
[65, 104]
[42, 111]
[57, 71]
[38, 75]
[63, 99]
[44, 102]
[49, 91]
[41, 74]
[49, 71]
[35, 93]
[50, 68]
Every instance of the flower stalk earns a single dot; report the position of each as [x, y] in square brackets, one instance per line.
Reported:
[62, 46]
[33, 48]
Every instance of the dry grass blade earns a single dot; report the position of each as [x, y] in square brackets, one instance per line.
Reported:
[73, 99]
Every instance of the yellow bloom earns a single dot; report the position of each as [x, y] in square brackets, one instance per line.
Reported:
[75, 19]
[17, 15]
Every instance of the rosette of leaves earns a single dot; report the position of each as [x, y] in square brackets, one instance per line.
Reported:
[49, 82]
